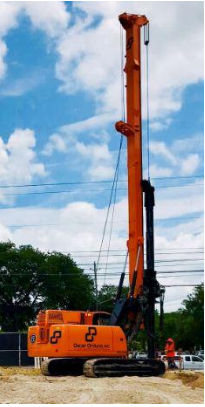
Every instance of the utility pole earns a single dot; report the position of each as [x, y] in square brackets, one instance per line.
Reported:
[96, 285]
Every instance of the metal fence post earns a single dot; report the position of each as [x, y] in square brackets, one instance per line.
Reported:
[19, 349]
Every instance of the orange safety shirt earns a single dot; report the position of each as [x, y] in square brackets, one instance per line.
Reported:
[170, 348]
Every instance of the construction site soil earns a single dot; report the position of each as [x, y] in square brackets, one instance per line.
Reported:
[21, 386]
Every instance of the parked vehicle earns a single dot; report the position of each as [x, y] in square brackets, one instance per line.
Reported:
[186, 362]
[200, 354]
[139, 355]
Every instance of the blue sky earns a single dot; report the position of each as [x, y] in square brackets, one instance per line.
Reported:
[60, 95]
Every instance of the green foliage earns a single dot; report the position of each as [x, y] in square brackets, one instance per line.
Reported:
[170, 329]
[191, 327]
[31, 280]
[186, 326]
[107, 295]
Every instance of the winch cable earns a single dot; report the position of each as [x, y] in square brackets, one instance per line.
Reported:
[113, 192]
[123, 118]
[111, 224]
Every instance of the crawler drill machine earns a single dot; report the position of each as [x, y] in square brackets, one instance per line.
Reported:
[96, 343]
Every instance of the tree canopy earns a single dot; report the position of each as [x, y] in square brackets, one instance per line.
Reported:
[31, 280]
[107, 295]
[191, 320]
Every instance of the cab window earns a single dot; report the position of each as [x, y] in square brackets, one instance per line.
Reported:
[101, 319]
[187, 358]
[196, 359]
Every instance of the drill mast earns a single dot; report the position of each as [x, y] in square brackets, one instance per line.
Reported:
[133, 131]
[139, 308]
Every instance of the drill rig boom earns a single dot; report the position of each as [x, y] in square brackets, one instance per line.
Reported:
[75, 340]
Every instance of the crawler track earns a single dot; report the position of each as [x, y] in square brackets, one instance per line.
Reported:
[109, 367]
[62, 367]
[123, 367]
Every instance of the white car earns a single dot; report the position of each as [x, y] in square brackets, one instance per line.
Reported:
[187, 362]
[200, 354]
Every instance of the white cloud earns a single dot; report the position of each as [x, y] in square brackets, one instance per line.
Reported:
[94, 126]
[177, 156]
[159, 171]
[18, 163]
[22, 85]
[190, 164]
[93, 160]
[3, 52]
[160, 125]
[5, 234]
[100, 172]
[55, 143]
[159, 148]
[89, 53]
[179, 201]
[90, 124]
[86, 145]
[83, 65]
[96, 158]
[9, 16]
[50, 17]
[189, 144]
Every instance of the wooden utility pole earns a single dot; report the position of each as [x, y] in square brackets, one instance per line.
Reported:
[96, 285]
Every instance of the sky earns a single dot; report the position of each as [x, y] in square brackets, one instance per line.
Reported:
[60, 96]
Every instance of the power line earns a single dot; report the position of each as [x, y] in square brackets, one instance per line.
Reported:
[24, 225]
[90, 182]
[159, 262]
[121, 250]
[180, 177]
[123, 255]
[95, 190]
[90, 272]
[183, 285]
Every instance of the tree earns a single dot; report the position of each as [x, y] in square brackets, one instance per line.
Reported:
[107, 295]
[191, 323]
[31, 280]
[186, 325]
[170, 328]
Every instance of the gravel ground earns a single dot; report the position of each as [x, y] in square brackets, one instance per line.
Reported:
[21, 386]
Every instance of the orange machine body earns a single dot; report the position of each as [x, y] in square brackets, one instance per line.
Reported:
[67, 334]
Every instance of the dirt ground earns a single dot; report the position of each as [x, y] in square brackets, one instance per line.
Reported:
[21, 386]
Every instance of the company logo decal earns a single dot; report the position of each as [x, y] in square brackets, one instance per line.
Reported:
[33, 338]
[55, 337]
[90, 335]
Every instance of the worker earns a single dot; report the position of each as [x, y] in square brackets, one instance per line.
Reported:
[170, 353]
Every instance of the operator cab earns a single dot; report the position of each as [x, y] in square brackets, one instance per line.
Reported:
[101, 318]
[50, 317]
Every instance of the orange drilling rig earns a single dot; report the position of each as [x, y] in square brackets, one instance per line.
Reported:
[96, 343]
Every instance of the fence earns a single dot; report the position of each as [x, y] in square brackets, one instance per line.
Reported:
[13, 349]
